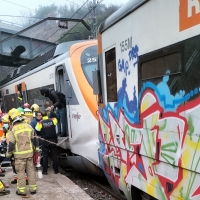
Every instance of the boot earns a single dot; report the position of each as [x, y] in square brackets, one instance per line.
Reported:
[21, 194]
[2, 174]
[14, 181]
[4, 192]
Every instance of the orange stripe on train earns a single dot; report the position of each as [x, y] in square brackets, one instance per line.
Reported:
[84, 86]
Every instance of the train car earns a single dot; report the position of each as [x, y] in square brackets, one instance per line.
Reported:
[68, 69]
[149, 99]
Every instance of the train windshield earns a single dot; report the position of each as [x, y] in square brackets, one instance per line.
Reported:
[89, 62]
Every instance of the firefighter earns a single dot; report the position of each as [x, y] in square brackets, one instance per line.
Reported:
[35, 108]
[47, 127]
[7, 127]
[21, 110]
[28, 112]
[2, 189]
[12, 159]
[21, 143]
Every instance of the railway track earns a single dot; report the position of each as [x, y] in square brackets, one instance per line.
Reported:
[105, 189]
[96, 187]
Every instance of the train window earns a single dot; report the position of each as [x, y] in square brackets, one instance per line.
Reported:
[192, 67]
[7, 91]
[163, 70]
[89, 62]
[10, 101]
[111, 79]
[168, 64]
[88, 69]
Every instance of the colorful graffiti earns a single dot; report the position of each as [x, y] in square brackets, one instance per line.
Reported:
[153, 140]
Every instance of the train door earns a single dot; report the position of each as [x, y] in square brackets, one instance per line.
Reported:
[61, 86]
[21, 94]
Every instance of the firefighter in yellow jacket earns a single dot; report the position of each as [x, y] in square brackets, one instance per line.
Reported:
[21, 143]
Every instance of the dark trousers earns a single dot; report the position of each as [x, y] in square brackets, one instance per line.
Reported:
[52, 149]
[62, 120]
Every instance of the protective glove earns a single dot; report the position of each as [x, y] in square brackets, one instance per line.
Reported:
[8, 155]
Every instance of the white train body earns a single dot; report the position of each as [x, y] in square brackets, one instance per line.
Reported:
[70, 72]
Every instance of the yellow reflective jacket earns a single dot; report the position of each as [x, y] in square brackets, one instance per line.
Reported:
[21, 141]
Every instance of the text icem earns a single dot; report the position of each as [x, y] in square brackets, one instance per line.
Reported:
[126, 44]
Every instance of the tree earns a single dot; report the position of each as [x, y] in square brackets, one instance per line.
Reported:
[49, 31]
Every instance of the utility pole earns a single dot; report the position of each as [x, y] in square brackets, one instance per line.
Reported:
[94, 19]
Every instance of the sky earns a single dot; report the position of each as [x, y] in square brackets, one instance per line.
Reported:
[23, 7]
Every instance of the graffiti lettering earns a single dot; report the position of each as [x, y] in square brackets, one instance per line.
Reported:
[126, 44]
[76, 116]
[133, 53]
[123, 66]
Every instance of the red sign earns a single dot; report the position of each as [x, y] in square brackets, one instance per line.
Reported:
[189, 14]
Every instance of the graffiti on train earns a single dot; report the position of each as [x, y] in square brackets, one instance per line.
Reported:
[151, 140]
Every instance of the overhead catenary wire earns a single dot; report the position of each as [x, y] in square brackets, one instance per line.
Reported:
[58, 30]
[18, 4]
[20, 16]
[82, 18]
[69, 32]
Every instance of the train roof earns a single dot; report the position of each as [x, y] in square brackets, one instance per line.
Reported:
[40, 60]
[122, 12]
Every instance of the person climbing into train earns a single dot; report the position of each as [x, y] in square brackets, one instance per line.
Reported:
[50, 112]
[47, 127]
[22, 143]
[60, 104]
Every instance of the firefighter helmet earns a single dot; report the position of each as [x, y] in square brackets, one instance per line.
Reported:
[35, 107]
[21, 110]
[26, 105]
[14, 114]
[5, 119]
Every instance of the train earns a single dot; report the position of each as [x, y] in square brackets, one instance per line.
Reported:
[148, 89]
[133, 107]
[66, 68]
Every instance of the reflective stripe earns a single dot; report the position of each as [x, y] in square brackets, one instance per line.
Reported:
[38, 126]
[33, 188]
[54, 121]
[45, 118]
[23, 152]
[22, 130]
[1, 185]
[21, 189]
[16, 138]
